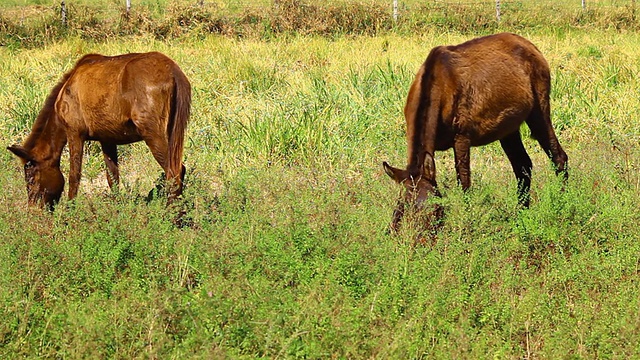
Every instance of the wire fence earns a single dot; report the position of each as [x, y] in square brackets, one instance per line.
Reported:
[398, 8]
[397, 5]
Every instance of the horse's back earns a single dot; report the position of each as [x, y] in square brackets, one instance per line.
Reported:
[494, 78]
[499, 56]
[153, 66]
[102, 92]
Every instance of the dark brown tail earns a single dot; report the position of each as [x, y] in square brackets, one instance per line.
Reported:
[180, 112]
[539, 120]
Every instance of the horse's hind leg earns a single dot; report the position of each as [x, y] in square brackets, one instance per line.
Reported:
[110, 152]
[543, 132]
[539, 122]
[159, 146]
[521, 164]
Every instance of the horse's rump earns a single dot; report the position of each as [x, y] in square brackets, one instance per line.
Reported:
[114, 98]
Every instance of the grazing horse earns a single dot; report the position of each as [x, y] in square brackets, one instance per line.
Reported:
[114, 100]
[473, 94]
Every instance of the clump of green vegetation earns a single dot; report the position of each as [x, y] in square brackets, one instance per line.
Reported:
[38, 25]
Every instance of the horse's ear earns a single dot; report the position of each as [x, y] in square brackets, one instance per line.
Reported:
[21, 152]
[396, 174]
[429, 167]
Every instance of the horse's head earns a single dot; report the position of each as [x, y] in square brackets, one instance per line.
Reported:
[418, 188]
[45, 182]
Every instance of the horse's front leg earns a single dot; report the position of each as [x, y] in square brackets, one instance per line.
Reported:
[76, 146]
[110, 152]
[461, 151]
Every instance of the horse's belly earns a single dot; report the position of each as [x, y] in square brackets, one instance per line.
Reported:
[487, 128]
[115, 132]
[492, 137]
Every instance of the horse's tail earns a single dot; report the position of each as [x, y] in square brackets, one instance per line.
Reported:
[540, 118]
[179, 116]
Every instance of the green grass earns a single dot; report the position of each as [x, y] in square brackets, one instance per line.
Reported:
[36, 23]
[288, 254]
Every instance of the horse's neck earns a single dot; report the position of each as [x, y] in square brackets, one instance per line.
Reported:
[50, 141]
[415, 148]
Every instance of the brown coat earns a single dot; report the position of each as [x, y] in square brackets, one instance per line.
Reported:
[473, 94]
[114, 100]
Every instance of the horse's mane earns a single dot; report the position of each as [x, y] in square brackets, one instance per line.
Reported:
[45, 113]
[49, 105]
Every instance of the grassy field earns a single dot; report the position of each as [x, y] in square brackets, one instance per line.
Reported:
[38, 23]
[288, 254]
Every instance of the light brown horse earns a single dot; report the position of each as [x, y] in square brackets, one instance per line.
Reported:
[473, 94]
[114, 100]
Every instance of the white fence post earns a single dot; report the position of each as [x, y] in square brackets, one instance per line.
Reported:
[63, 13]
[498, 10]
[584, 4]
[128, 7]
[395, 10]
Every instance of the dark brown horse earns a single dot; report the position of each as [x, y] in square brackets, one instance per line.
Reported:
[473, 94]
[114, 100]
